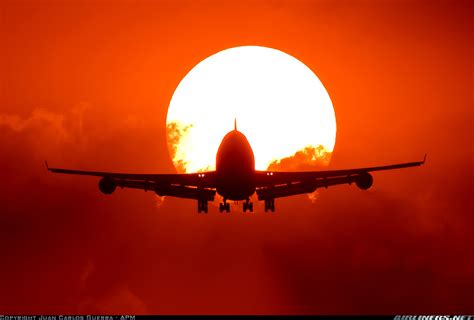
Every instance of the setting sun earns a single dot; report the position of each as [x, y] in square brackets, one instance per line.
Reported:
[279, 104]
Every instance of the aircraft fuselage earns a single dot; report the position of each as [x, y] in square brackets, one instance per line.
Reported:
[235, 167]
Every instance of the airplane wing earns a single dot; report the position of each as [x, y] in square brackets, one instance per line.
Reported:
[191, 186]
[273, 184]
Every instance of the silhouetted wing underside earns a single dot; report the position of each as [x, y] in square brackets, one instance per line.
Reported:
[171, 190]
[281, 184]
[149, 181]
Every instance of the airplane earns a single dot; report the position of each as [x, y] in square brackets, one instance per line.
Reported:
[235, 178]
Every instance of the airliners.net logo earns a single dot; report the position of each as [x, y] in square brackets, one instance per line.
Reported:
[434, 318]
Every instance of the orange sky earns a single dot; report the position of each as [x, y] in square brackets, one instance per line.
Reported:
[87, 85]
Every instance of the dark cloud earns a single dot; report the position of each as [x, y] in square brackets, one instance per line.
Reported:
[348, 252]
[52, 232]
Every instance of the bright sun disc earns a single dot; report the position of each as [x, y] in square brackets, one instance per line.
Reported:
[280, 105]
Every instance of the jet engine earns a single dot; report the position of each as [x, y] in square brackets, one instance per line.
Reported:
[107, 185]
[364, 181]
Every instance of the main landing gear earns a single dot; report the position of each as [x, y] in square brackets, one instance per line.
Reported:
[225, 206]
[202, 206]
[248, 206]
[270, 205]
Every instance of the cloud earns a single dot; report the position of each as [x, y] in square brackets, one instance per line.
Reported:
[175, 133]
[159, 200]
[16, 123]
[310, 158]
[124, 253]
[50, 226]
[119, 301]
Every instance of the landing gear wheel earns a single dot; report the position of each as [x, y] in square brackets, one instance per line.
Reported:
[202, 206]
[224, 207]
[270, 205]
[248, 206]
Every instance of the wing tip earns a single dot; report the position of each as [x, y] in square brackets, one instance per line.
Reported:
[424, 158]
[46, 164]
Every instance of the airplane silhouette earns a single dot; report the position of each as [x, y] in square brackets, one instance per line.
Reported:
[235, 178]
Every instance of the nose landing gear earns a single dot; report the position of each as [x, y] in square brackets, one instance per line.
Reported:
[248, 206]
[225, 206]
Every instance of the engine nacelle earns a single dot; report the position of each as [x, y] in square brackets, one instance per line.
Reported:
[107, 185]
[364, 180]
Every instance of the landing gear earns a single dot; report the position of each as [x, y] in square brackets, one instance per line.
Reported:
[202, 206]
[225, 206]
[248, 206]
[270, 205]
